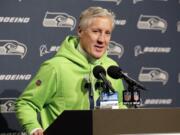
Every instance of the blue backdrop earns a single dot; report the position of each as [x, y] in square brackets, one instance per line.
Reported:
[145, 44]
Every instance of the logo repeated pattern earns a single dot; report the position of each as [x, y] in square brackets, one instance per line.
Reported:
[149, 74]
[145, 43]
[150, 22]
[12, 47]
[59, 19]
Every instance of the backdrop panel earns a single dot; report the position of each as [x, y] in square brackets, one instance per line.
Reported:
[144, 43]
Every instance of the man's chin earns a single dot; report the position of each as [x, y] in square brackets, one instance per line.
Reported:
[98, 56]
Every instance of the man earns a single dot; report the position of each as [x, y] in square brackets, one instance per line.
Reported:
[60, 83]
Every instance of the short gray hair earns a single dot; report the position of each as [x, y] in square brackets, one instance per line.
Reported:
[92, 12]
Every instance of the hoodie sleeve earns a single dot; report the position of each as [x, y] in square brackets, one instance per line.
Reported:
[37, 94]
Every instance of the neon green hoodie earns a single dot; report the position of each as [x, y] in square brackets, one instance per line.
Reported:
[59, 86]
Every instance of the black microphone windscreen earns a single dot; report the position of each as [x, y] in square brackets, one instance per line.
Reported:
[114, 72]
[99, 70]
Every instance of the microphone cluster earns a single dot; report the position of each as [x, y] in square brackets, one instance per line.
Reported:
[132, 94]
[100, 73]
[116, 73]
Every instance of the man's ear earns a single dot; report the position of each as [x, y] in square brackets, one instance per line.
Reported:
[79, 31]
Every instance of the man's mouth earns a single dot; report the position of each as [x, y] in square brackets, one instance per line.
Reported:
[99, 47]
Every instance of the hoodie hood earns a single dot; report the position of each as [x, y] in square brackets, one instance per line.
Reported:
[69, 50]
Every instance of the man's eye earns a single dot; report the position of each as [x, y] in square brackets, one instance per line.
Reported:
[95, 31]
[108, 33]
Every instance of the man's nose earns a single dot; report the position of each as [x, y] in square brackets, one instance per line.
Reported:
[101, 38]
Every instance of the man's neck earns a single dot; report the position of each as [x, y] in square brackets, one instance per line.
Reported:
[84, 53]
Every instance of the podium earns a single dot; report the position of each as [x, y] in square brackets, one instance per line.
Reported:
[116, 122]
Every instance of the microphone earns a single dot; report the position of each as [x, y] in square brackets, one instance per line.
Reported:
[100, 73]
[116, 73]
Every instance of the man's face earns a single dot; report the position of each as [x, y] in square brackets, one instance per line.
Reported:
[94, 39]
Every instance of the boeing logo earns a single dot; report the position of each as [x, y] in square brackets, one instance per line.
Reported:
[158, 101]
[14, 77]
[136, 1]
[138, 50]
[120, 22]
[44, 50]
[14, 19]
[59, 19]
